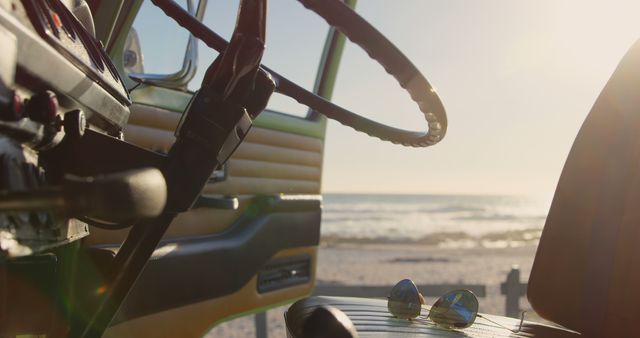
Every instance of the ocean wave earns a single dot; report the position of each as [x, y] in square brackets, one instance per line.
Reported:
[359, 219]
[453, 209]
[510, 238]
[430, 219]
[359, 209]
[497, 217]
[354, 211]
[414, 260]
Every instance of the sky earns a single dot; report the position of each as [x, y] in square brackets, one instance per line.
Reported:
[516, 77]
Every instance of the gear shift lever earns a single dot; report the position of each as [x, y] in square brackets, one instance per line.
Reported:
[328, 322]
[118, 197]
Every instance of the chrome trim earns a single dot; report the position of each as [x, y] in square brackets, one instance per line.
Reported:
[180, 79]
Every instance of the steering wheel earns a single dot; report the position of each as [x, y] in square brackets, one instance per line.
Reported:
[379, 48]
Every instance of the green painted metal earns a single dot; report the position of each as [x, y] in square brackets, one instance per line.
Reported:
[169, 99]
[117, 50]
[106, 17]
[328, 70]
[332, 54]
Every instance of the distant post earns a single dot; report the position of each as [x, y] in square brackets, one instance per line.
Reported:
[261, 324]
[513, 290]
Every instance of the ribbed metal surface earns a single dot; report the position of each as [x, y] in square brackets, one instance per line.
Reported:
[372, 319]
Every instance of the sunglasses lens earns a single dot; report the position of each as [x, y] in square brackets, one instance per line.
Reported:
[456, 309]
[405, 301]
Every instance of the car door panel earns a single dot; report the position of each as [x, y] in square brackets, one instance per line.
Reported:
[196, 319]
[211, 257]
[214, 264]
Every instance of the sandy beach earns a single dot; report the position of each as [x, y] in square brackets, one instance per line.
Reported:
[385, 264]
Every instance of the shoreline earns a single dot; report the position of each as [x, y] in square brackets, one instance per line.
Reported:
[503, 239]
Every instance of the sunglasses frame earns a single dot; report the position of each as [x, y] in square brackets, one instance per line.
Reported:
[407, 287]
[442, 299]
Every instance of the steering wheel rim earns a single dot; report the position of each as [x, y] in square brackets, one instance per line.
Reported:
[377, 46]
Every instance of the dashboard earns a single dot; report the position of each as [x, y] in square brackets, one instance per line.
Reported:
[57, 84]
[54, 52]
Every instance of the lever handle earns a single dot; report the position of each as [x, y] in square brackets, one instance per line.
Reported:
[119, 197]
[328, 322]
[225, 203]
[140, 193]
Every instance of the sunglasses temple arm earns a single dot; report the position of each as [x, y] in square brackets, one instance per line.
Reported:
[512, 330]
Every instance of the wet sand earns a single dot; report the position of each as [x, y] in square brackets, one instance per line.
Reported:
[385, 264]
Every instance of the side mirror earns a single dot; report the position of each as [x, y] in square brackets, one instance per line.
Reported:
[132, 56]
[133, 59]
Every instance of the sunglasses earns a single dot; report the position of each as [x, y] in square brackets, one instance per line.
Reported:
[456, 309]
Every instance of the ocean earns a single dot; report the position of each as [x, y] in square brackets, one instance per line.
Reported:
[440, 220]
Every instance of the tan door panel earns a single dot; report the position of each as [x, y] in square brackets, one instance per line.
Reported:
[269, 162]
[259, 169]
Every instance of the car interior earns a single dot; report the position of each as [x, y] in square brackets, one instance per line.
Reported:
[248, 240]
